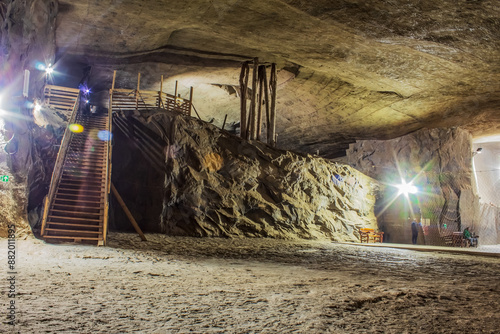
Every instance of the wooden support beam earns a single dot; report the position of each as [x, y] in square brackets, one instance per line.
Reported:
[243, 98]
[224, 123]
[190, 99]
[127, 212]
[262, 68]
[196, 112]
[114, 79]
[253, 101]
[160, 101]
[273, 83]
[266, 99]
[137, 92]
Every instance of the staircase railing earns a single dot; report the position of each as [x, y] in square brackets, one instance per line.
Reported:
[109, 145]
[56, 173]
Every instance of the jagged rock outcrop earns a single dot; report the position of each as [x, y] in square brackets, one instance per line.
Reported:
[217, 184]
[438, 162]
[27, 36]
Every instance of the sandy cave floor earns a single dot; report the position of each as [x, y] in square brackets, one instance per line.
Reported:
[180, 285]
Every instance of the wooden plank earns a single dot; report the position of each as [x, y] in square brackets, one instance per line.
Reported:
[224, 123]
[259, 101]
[243, 98]
[266, 98]
[160, 101]
[127, 212]
[114, 79]
[67, 89]
[273, 85]
[72, 231]
[253, 101]
[75, 218]
[190, 100]
[76, 225]
[61, 95]
[76, 212]
[45, 213]
[56, 237]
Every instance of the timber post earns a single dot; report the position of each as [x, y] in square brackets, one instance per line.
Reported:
[160, 101]
[243, 98]
[273, 80]
[190, 99]
[253, 114]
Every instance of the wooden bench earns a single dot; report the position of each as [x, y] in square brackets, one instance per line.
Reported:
[457, 239]
[369, 235]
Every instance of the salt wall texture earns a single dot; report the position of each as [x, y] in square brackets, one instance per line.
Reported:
[439, 161]
[27, 35]
[219, 185]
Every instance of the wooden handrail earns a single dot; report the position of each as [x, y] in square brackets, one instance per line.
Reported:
[56, 173]
[107, 184]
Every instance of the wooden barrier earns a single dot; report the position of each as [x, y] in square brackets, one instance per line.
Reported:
[139, 100]
[61, 98]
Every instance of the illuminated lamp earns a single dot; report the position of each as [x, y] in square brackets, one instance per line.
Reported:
[406, 188]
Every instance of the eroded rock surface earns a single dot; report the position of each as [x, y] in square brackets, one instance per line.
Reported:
[362, 69]
[439, 163]
[219, 185]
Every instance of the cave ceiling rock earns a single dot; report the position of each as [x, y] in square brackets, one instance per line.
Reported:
[363, 70]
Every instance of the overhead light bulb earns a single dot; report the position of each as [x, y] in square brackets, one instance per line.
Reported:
[49, 69]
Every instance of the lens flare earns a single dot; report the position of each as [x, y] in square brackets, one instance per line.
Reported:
[406, 188]
[104, 135]
[76, 128]
[40, 66]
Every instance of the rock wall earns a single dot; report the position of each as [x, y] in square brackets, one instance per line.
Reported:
[438, 162]
[27, 36]
[219, 185]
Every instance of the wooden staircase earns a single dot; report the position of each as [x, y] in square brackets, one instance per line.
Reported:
[76, 208]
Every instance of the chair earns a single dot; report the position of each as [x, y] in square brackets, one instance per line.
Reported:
[364, 234]
[378, 236]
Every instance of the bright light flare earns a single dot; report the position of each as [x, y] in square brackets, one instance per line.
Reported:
[76, 128]
[406, 188]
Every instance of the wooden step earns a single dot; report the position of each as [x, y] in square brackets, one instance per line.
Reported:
[81, 197]
[80, 145]
[96, 202]
[87, 192]
[83, 207]
[77, 209]
[82, 186]
[75, 225]
[88, 152]
[89, 159]
[86, 196]
[75, 218]
[71, 231]
[77, 212]
[86, 171]
[68, 176]
[53, 237]
[97, 169]
[80, 182]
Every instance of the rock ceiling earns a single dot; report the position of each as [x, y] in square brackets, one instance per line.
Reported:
[349, 69]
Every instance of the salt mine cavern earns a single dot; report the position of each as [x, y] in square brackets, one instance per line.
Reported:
[261, 166]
